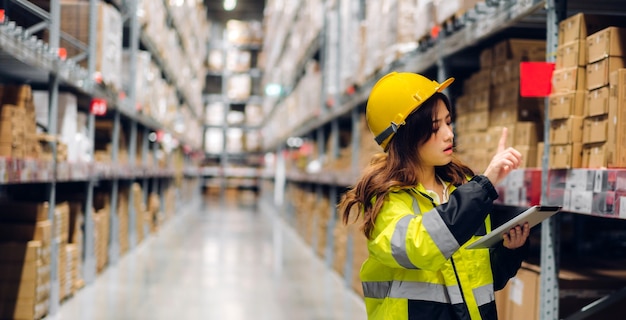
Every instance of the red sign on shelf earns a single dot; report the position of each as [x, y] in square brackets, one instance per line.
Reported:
[98, 106]
[536, 79]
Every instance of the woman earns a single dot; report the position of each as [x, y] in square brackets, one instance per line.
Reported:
[421, 207]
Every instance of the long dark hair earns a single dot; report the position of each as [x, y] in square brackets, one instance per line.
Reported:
[395, 170]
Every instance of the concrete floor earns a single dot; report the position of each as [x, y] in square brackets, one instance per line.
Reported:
[221, 261]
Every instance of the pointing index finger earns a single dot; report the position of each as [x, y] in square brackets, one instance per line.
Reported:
[502, 143]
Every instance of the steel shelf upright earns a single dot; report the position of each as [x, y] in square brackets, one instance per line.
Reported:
[53, 87]
[133, 23]
[549, 289]
[89, 269]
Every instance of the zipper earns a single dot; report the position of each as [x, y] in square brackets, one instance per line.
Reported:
[458, 280]
[456, 274]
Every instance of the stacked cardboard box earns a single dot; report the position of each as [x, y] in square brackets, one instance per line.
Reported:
[322, 221]
[109, 32]
[579, 286]
[606, 54]
[17, 122]
[61, 224]
[68, 129]
[140, 211]
[75, 245]
[492, 102]
[340, 245]
[359, 255]
[25, 240]
[123, 220]
[154, 211]
[579, 99]
[101, 220]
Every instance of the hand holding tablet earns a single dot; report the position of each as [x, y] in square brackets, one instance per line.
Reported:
[533, 216]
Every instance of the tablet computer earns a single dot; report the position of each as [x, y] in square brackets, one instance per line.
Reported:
[533, 215]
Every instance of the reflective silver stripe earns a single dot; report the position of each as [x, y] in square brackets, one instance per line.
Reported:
[423, 291]
[484, 294]
[416, 206]
[440, 233]
[456, 297]
[398, 243]
[376, 290]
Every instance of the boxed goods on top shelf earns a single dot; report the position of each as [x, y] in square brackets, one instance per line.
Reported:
[109, 33]
[587, 93]
[491, 101]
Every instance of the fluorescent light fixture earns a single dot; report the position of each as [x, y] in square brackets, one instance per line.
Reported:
[229, 5]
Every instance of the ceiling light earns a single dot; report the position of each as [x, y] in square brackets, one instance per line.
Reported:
[229, 5]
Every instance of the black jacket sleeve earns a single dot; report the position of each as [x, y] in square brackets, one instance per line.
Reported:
[505, 263]
[467, 208]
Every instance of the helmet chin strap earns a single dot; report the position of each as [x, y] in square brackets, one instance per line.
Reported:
[391, 129]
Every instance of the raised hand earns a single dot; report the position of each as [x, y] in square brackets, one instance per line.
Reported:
[505, 160]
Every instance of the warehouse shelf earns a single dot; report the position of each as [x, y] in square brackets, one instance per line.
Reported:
[23, 171]
[242, 126]
[233, 172]
[254, 99]
[169, 74]
[483, 24]
[312, 49]
[28, 59]
[175, 24]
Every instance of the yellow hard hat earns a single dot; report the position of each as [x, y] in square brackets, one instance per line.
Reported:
[393, 98]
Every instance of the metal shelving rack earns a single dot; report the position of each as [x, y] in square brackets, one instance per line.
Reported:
[25, 58]
[478, 26]
[224, 172]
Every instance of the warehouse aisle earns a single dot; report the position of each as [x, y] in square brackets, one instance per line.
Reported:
[226, 262]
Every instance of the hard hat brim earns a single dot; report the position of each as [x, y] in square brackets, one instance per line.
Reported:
[445, 84]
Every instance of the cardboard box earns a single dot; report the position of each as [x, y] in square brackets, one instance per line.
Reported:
[41, 231]
[23, 212]
[595, 155]
[478, 120]
[566, 156]
[492, 137]
[529, 155]
[481, 100]
[572, 54]
[13, 252]
[595, 129]
[598, 72]
[519, 50]
[606, 43]
[579, 26]
[569, 79]
[540, 153]
[22, 309]
[597, 102]
[617, 102]
[523, 295]
[526, 133]
[565, 104]
[486, 58]
[566, 131]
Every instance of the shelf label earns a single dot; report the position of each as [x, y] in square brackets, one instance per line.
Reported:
[98, 106]
[62, 53]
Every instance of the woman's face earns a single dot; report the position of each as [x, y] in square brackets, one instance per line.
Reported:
[437, 151]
